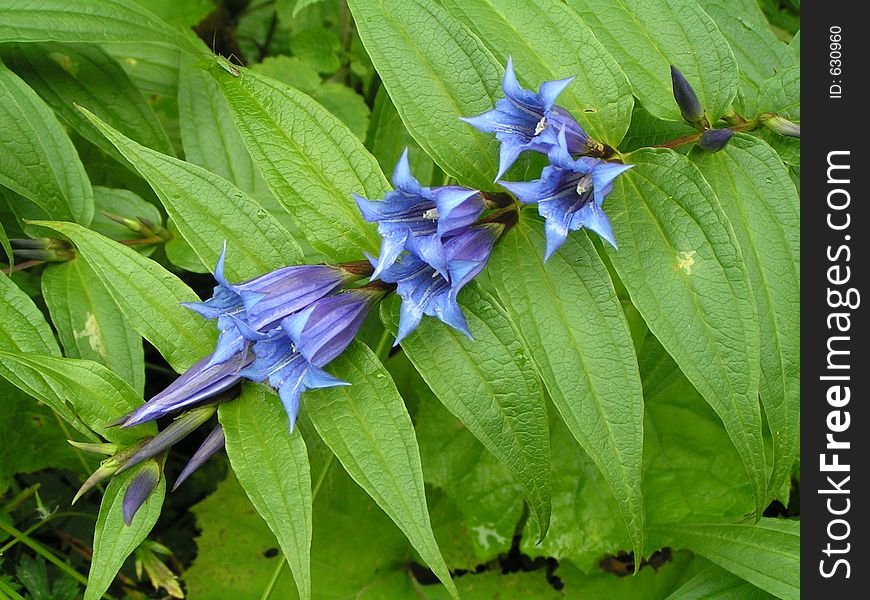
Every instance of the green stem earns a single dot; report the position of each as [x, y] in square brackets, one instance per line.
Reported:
[9, 592]
[279, 568]
[41, 524]
[695, 137]
[382, 350]
[46, 554]
[22, 265]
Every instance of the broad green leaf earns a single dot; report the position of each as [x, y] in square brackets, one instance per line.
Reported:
[795, 46]
[152, 66]
[185, 14]
[114, 540]
[33, 439]
[368, 429]
[319, 47]
[681, 263]
[387, 139]
[68, 74]
[435, 71]
[761, 202]
[89, 323]
[345, 104]
[547, 40]
[311, 161]
[256, 242]
[647, 36]
[23, 329]
[571, 320]
[766, 554]
[97, 396]
[490, 385]
[86, 21]
[272, 466]
[781, 94]
[4, 242]
[715, 583]
[692, 471]
[37, 159]
[758, 52]
[210, 138]
[147, 294]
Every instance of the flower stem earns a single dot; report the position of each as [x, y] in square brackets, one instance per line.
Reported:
[382, 350]
[692, 139]
[22, 265]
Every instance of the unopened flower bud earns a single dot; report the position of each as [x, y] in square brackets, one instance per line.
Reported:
[140, 489]
[781, 125]
[714, 140]
[687, 100]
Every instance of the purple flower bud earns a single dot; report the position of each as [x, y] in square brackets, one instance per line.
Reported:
[713, 140]
[140, 489]
[213, 444]
[200, 382]
[177, 430]
[687, 100]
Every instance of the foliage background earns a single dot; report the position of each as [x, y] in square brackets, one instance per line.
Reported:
[127, 70]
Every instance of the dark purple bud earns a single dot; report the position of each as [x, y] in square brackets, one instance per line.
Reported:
[687, 100]
[140, 488]
[781, 126]
[213, 444]
[714, 140]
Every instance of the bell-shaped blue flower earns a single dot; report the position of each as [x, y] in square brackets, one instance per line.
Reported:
[569, 195]
[278, 361]
[263, 301]
[200, 382]
[424, 291]
[417, 218]
[323, 330]
[526, 120]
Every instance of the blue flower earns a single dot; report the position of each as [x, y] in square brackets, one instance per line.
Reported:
[417, 218]
[323, 330]
[200, 382]
[569, 195]
[426, 291]
[278, 361]
[526, 120]
[263, 301]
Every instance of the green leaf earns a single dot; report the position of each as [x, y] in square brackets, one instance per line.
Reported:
[89, 323]
[23, 329]
[256, 242]
[387, 138]
[684, 271]
[368, 429]
[291, 70]
[114, 541]
[272, 466]
[311, 161]
[717, 584]
[766, 554]
[761, 202]
[647, 130]
[758, 52]
[37, 160]
[147, 294]
[647, 36]
[153, 67]
[185, 14]
[435, 71]
[572, 322]
[209, 136]
[781, 94]
[97, 396]
[345, 104]
[795, 46]
[4, 242]
[319, 48]
[68, 74]
[490, 385]
[85, 21]
[548, 41]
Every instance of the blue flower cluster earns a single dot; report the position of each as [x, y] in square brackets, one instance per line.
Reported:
[570, 192]
[285, 326]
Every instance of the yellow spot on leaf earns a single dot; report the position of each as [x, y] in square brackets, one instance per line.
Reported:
[93, 335]
[65, 61]
[685, 261]
[131, 61]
